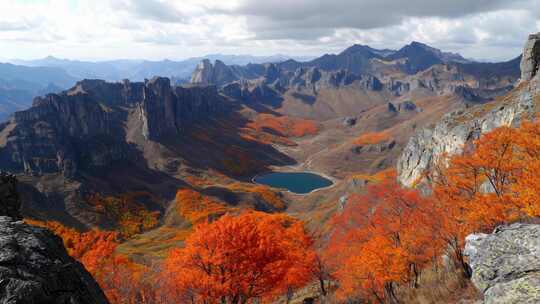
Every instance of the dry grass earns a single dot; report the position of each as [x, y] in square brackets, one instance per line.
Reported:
[444, 285]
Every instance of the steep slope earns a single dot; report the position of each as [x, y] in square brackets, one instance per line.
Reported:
[126, 139]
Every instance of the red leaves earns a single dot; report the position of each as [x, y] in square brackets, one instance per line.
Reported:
[494, 183]
[381, 237]
[240, 258]
[197, 207]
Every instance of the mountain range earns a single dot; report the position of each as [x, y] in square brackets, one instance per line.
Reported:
[245, 119]
[22, 80]
[153, 156]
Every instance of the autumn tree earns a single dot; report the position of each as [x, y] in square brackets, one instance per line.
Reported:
[384, 239]
[493, 182]
[239, 258]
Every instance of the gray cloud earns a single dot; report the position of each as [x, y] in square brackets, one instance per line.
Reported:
[271, 20]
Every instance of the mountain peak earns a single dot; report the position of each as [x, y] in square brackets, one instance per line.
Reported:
[359, 48]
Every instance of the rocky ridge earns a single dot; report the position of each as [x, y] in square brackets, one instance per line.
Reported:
[85, 127]
[462, 127]
[415, 71]
[34, 265]
[506, 264]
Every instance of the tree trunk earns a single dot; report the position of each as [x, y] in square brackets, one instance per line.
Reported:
[467, 272]
[323, 288]
[390, 294]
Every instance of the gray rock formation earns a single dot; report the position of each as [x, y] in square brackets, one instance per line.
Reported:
[218, 73]
[85, 127]
[531, 58]
[506, 264]
[458, 129]
[454, 132]
[34, 265]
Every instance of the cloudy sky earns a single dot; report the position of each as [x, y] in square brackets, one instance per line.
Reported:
[177, 29]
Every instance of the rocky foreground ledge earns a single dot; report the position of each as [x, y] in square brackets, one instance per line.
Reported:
[506, 264]
[34, 265]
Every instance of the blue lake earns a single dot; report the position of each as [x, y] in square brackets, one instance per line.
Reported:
[296, 182]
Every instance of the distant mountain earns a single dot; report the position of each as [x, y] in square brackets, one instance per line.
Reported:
[20, 84]
[386, 64]
[359, 59]
[138, 70]
[420, 56]
[355, 59]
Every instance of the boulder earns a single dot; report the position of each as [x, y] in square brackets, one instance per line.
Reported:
[506, 264]
[349, 121]
[34, 265]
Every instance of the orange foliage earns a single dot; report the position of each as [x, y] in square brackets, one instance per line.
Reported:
[495, 183]
[377, 177]
[197, 181]
[236, 259]
[284, 126]
[118, 277]
[385, 238]
[372, 138]
[197, 207]
[382, 239]
[130, 216]
[265, 138]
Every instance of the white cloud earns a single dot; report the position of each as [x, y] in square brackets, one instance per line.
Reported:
[156, 29]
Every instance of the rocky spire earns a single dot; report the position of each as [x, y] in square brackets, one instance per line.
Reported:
[530, 61]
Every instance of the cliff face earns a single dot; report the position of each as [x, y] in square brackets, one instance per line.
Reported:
[458, 129]
[86, 127]
[506, 264]
[165, 110]
[34, 265]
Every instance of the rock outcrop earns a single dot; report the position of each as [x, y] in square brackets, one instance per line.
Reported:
[531, 58]
[506, 264]
[218, 73]
[460, 128]
[34, 265]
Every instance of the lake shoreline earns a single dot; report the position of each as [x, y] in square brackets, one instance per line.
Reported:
[317, 174]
